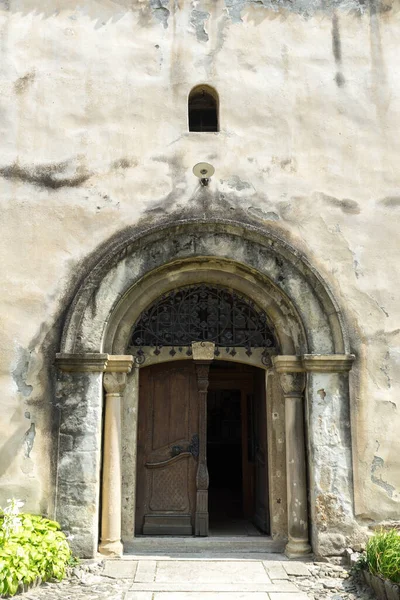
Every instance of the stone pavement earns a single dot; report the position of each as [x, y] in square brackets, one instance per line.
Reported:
[198, 577]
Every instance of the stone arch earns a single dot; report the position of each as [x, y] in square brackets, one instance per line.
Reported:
[246, 254]
[131, 273]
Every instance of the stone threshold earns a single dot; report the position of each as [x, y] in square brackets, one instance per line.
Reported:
[193, 545]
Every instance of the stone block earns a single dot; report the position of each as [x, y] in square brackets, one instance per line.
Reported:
[288, 596]
[84, 543]
[146, 571]
[392, 591]
[74, 518]
[329, 544]
[66, 443]
[378, 585]
[297, 569]
[276, 572]
[120, 569]
[211, 572]
[80, 494]
[79, 467]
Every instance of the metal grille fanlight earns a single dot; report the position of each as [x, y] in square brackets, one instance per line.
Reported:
[202, 313]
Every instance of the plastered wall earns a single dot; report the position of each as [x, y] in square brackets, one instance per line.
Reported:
[94, 139]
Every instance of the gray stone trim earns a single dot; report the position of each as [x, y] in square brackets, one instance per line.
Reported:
[93, 362]
[83, 362]
[288, 364]
[331, 363]
[317, 363]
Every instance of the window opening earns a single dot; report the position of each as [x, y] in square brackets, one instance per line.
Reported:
[203, 110]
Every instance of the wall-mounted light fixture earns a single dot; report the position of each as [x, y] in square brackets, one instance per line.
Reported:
[204, 171]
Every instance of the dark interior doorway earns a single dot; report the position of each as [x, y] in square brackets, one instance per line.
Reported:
[236, 450]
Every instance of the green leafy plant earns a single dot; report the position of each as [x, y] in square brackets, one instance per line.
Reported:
[31, 548]
[382, 555]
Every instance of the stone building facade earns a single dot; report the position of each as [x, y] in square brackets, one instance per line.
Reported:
[104, 222]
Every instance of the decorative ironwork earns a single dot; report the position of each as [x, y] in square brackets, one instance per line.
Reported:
[202, 313]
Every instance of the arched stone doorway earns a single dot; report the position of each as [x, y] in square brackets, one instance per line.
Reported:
[202, 434]
[313, 364]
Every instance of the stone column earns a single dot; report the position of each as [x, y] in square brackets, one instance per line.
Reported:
[333, 525]
[130, 409]
[114, 383]
[292, 380]
[79, 399]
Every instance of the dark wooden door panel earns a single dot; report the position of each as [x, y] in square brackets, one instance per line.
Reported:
[167, 462]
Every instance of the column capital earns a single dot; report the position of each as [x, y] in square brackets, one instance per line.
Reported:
[292, 384]
[84, 362]
[114, 383]
[288, 364]
[328, 363]
[119, 363]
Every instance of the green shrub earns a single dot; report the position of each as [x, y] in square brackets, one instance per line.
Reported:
[31, 548]
[383, 554]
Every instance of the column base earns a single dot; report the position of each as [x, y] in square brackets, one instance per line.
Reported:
[296, 548]
[109, 548]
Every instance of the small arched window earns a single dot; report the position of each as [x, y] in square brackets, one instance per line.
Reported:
[203, 109]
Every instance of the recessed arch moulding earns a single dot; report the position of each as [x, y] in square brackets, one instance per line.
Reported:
[308, 325]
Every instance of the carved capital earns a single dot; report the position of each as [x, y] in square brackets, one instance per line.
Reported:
[114, 383]
[84, 362]
[329, 363]
[202, 371]
[119, 363]
[202, 478]
[292, 384]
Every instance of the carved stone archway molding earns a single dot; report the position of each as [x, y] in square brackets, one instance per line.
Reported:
[312, 368]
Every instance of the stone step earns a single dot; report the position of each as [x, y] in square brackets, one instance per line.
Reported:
[194, 545]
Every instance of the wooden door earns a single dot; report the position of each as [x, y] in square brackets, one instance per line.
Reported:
[167, 449]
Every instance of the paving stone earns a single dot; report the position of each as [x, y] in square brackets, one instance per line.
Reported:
[276, 572]
[288, 596]
[146, 571]
[211, 596]
[120, 569]
[283, 586]
[90, 582]
[211, 572]
[296, 568]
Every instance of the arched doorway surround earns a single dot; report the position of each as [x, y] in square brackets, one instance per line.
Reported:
[311, 373]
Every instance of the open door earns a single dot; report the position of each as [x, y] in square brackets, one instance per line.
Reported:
[168, 449]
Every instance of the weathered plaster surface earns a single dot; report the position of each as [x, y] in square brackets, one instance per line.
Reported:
[94, 139]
